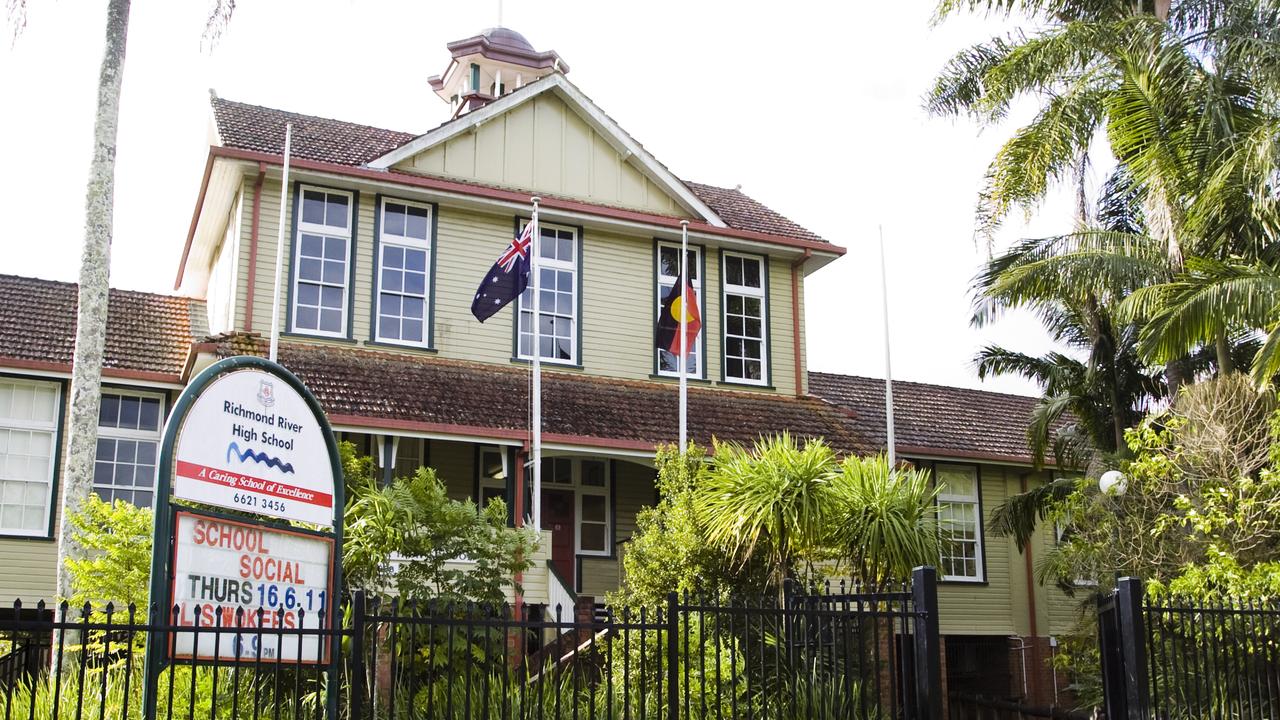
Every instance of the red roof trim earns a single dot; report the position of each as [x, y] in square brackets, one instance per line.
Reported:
[518, 197]
[122, 373]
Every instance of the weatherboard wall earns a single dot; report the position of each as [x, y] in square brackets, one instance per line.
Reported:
[618, 303]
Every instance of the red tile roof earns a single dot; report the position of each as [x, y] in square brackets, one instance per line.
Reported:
[933, 419]
[145, 332]
[389, 386]
[261, 129]
[253, 127]
[744, 213]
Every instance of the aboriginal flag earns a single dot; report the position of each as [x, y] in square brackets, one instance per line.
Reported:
[668, 336]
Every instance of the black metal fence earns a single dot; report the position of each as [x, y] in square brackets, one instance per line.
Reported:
[833, 653]
[1184, 658]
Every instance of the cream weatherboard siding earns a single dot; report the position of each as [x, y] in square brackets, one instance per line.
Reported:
[544, 146]
[618, 303]
[27, 571]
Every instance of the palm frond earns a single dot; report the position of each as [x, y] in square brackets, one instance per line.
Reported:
[1020, 514]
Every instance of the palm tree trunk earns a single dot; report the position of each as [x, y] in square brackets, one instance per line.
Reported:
[91, 314]
[1223, 348]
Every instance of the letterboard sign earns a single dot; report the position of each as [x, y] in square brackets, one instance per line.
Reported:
[251, 442]
[226, 571]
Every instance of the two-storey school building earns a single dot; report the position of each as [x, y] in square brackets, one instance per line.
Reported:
[388, 234]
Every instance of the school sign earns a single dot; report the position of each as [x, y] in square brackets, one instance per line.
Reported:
[248, 532]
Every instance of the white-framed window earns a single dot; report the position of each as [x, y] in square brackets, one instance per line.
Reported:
[322, 262]
[558, 285]
[668, 269]
[588, 479]
[28, 446]
[404, 273]
[745, 319]
[128, 442]
[960, 519]
[493, 476]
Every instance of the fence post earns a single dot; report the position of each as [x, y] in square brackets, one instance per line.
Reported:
[359, 608]
[1133, 634]
[928, 645]
[673, 656]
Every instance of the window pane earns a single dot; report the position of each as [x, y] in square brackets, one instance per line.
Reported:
[751, 273]
[109, 411]
[313, 207]
[593, 537]
[417, 223]
[593, 473]
[594, 508]
[337, 213]
[149, 414]
[393, 219]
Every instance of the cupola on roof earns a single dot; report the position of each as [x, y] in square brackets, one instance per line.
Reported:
[489, 65]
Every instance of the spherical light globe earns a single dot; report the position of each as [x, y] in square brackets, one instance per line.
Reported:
[1113, 483]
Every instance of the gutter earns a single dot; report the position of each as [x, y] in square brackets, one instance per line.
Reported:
[795, 316]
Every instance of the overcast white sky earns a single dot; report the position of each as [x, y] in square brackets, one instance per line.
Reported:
[813, 107]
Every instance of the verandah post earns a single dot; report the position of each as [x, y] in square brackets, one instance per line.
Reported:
[673, 656]
[1133, 633]
[928, 646]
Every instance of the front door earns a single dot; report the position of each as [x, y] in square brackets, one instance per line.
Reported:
[557, 516]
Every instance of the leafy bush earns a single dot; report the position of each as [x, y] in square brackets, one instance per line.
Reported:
[409, 537]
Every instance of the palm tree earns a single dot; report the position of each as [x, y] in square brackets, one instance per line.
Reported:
[884, 519]
[1179, 95]
[771, 501]
[95, 266]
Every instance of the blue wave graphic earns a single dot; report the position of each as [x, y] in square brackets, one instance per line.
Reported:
[249, 454]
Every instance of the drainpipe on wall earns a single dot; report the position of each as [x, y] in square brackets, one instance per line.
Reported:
[795, 317]
[253, 248]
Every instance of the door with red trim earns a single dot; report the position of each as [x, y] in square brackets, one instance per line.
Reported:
[557, 516]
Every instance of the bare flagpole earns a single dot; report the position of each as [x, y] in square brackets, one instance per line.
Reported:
[888, 369]
[284, 200]
[684, 340]
[535, 252]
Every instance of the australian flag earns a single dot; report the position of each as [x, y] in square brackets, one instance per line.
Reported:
[508, 277]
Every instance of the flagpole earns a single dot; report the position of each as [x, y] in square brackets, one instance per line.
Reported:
[284, 200]
[684, 339]
[888, 369]
[535, 252]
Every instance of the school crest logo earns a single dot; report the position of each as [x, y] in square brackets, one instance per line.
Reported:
[266, 393]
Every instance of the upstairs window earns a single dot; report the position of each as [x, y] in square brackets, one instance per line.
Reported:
[128, 443]
[404, 275]
[960, 519]
[668, 269]
[558, 281]
[322, 262]
[745, 319]
[28, 448]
